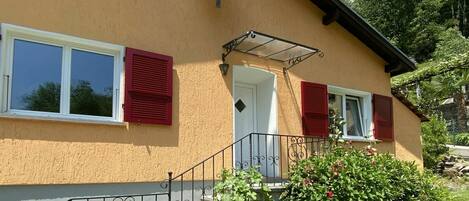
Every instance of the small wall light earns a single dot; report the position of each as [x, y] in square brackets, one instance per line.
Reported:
[224, 68]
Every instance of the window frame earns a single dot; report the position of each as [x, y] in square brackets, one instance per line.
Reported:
[68, 43]
[365, 108]
[360, 113]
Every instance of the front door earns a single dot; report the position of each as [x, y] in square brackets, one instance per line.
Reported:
[245, 123]
[245, 109]
[259, 150]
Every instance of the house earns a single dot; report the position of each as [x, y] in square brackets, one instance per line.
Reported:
[106, 97]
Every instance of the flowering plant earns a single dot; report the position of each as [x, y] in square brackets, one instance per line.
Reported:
[351, 174]
[236, 185]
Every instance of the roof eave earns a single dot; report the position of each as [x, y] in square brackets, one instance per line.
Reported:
[397, 61]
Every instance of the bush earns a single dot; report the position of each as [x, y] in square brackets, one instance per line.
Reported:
[434, 139]
[349, 174]
[461, 139]
[237, 185]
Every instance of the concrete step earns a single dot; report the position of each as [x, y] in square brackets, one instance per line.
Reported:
[276, 190]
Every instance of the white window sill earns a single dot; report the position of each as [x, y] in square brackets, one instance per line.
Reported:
[61, 119]
[361, 139]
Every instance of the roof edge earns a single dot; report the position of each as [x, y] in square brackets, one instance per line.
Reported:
[399, 96]
[398, 62]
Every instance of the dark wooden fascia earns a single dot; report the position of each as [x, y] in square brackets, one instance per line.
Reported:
[330, 17]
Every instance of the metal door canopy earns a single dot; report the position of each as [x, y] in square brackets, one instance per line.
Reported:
[271, 47]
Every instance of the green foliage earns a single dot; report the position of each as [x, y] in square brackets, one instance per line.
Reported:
[431, 69]
[45, 98]
[336, 125]
[237, 185]
[441, 78]
[434, 136]
[461, 139]
[411, 25]
[350, 174]
[83, 99]
[451, 44]
[392, 18]
[433, 33]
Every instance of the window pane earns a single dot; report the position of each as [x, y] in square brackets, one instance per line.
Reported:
[91, 83]
[354, 126]
[335, 103]
[36, 76]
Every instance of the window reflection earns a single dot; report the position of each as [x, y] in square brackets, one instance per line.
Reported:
[91, 83]
[335, 103]
[354, 126]
[36, 76]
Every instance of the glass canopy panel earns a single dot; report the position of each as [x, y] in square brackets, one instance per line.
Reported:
[250, 42]
[292, 52]
[271, 48]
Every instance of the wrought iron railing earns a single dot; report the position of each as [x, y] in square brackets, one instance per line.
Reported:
[272, 154]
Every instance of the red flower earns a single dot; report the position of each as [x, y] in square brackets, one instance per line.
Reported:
[307, 182]
[370, 151]
[330, 194]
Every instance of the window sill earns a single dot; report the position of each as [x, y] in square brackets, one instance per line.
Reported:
[361, 139]
[61, 119]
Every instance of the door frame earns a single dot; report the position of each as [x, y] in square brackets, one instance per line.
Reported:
[266, 118]
[274, 106]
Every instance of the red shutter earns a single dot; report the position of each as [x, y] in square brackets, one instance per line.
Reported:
[383, 117]
[314, 109]
[148, 87]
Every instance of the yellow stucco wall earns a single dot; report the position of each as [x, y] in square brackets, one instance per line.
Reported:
[192, 31]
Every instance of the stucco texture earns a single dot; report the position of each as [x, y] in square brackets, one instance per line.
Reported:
[192, 31]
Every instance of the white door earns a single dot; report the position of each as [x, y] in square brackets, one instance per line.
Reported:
[259, 150]
[245, 122]
[245, 109]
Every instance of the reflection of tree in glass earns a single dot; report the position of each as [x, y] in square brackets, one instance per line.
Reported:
[45, 98]
[83, 100]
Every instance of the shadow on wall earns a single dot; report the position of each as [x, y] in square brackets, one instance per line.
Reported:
[289, 111]
[292, 94]
[145, 134]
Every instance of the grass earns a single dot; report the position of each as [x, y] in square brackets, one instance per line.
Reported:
[458, 188]
[461, 195]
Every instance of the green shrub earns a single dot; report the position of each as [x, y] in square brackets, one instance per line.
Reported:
[461, 139]
[236, 185]
[434, 139]
[349, 174]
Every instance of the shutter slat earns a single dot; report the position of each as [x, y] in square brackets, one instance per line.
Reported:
[148, 78]
[383, 117]
[314, 109]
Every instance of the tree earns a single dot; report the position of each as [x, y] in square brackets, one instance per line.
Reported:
[444, 76]
[83, 99]
[434, 137]
[411, 25]
[45, 98]
[457, 13]
[433, 32]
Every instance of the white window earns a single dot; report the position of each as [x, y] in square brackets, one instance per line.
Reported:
[355, 108]
[57, 76]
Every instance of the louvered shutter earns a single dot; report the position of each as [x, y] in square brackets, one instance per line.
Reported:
[314, 109]
[148, 87]
[383, 117]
